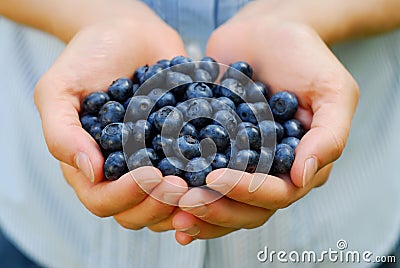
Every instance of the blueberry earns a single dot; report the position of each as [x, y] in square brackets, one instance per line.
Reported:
[240, 66]
[111, 137]
[265, 160]
[293, 128]
[198, 90]
[120, 90]
[95, 131]
[188, 129]
[283, 105]
[142, 157]
[139, 108]
[245, 124]
[140, 132]
[246, 112]
[171, 166]
[135, 88]
[268, 132]
[182, 106]
[94, 101]
[218, 135]
[208, 147]
[155, 72]
[257, 92]
[232, 89]
[196, 172]
[168, 120]
[115, 166]
[280, 132]
[163, 146]
[261, 110]
[164, 63]
[283, 159]
[182, 64]
[177, 82]
[245, 160]
[111, 112]
[199, 112]
[126, 103]
[291, 141]
[248, 138]
[200, 75]
[88, 121]
[162, 97]
[219, 161]
[222, 103]
[139, 74]
[211, 66]
[232, 150]
[226, 119]
[151, 118]
[188, 146]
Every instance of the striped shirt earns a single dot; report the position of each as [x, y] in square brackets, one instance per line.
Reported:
[360, 203]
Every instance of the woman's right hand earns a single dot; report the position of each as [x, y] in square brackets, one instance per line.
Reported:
[97, 55]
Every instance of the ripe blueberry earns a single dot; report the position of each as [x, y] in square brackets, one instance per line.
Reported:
[293, 128]
[283, 105]
[111, 137]
[94, 101]
[232, 89]
[142, 157]
[120, 90]
[198, 90]
[283, 159]
[211, 66]
[188, 146]
[111, 112]
[218, 134]
[291, 141]
[196, 172]
[115, 166]
[171, 166]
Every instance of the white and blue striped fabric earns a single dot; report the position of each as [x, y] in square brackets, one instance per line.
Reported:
[360, 203]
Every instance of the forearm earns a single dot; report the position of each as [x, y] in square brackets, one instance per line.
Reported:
[66, 17]
[336, 20]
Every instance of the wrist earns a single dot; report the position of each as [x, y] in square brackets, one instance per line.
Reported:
[129, 14]
[333, 21]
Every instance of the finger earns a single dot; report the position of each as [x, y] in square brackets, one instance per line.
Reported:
[166, 224]
[330, 126]
[272, 192]
[183, 239]
[224, 211]
[196, 228]
[158, 206]
[66, 139]
[108, 198]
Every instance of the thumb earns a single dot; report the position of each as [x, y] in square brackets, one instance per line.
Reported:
[67, 141]
[326, 139]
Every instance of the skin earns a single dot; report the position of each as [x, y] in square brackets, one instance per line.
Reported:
[288, 41]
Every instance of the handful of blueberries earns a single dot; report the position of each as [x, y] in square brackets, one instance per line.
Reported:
[174, 115]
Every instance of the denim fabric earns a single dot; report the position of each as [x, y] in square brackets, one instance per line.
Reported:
[11, 257]
[195, 20]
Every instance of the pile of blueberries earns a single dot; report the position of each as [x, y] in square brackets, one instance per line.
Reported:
[174, 116]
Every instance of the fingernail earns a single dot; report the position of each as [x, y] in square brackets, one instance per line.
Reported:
[256, 182]
[199, 211]
[220, 187]
[310, 168]
[82, 161]
[148, 184]
[192, 230]
[171, 198]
